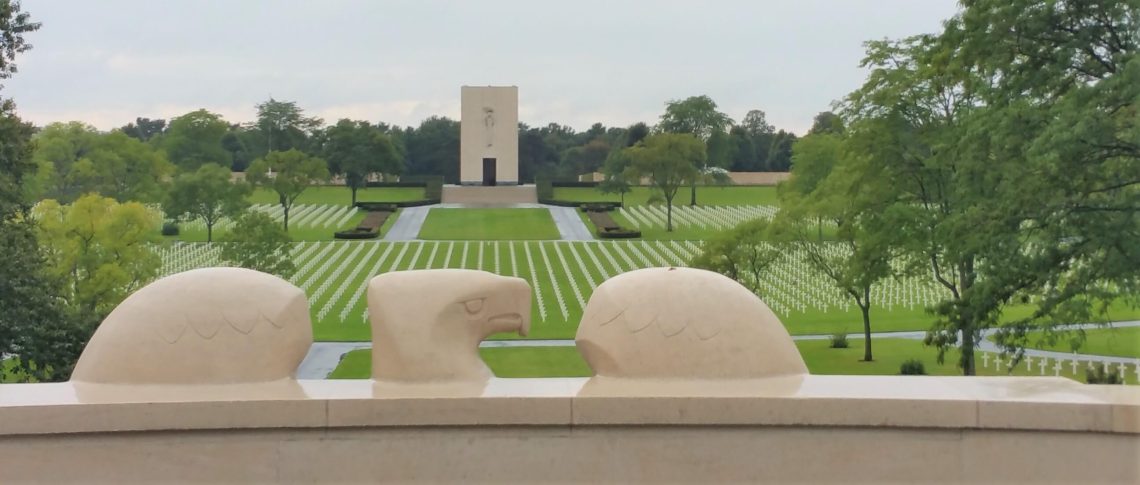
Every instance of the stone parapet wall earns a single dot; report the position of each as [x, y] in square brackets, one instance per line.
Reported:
[802, 428]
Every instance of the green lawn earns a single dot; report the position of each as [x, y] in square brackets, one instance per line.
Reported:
[1118, 342]
[711, 195]
[817, 354]
[489, 224]
[504, 362]
[341, 195]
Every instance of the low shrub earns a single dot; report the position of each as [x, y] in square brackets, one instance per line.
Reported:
[356, 234]
[912, 367]
[599, 206]
[839, 341]
[620, 233]
[169, 229]
[1097, 375]
[376, 206]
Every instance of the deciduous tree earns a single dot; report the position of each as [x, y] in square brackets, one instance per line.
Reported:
[287, 174]
[355, 150]
[194, 139]
[258, 243]
[668, 160]
[207, 194]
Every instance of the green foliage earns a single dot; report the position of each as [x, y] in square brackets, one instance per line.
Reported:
[695, 115]
[13, 24]
[433, 148]
[17, 168]
[99, 249]
[194, 139]
[75, 159]
[1006, 148]
[258, 243]
[169, 228]
[206, 194]
[912, 367]
[355, 150]
[143, 129]
[826, 123]
[283, 126]
[669, 161]
[288, 174]
[838, 340]
[743, 254]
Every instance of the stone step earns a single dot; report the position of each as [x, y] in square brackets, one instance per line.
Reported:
[489, 196]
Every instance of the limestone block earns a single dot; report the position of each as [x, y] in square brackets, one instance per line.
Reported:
[683, 323]
[427, 324]
[206, 326]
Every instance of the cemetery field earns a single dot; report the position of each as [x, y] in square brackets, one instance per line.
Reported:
[706, 195]
[489, 224]
[1116, 342]
[890, 353]
[562, 275]
[341, 195]
[307, 222]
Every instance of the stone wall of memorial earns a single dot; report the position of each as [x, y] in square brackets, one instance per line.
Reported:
[489, 120]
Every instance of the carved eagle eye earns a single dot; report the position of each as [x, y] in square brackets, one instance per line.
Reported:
[474, 306]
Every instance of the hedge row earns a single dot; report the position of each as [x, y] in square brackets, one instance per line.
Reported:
[607, 227]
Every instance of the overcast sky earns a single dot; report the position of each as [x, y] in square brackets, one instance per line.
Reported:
[575, 62]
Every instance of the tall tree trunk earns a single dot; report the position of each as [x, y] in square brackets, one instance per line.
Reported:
[819, 227]
[669, 216]
[286, 212]
[353, 195]
[693, 193]
[209, 233]
[866, 309]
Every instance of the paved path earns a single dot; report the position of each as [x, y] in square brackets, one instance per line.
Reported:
[408, 224]
[323, 357]
[570, 226]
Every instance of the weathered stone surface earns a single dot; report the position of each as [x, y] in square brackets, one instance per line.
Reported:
[683, 323]
[207, 326]
[427, 325]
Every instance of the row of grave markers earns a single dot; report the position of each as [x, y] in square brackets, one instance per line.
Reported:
[1043, 366]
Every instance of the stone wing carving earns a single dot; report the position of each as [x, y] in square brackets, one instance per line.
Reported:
[206, 326]
[683, 323]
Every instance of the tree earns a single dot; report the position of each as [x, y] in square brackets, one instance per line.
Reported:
[75, 159]
[433, 148]
[194, 139]
[780, 151]
[827, 122]
[813, 158]
[101, 250]
[668, 160]
[284, 125]
[697, 116]
[288, 174]
[755, 123]
[587, 158]
[1007, 147]
[258, 243]
[635, 133]
[848, 198]
[356, 149]
[616, 171]
[206, 194]
[742, 253]
[144, 129]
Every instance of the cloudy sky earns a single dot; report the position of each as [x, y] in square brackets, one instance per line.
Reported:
[575, 62]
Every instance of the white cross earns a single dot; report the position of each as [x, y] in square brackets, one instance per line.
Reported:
[985, 361]
[1120, 370]
[1073, 364]
[1057, 368]
[1041, 363]
[997, 363]
[1136, 367]
[1029, 363]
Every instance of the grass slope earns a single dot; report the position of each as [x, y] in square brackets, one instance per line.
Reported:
[1117, 342]
[489, 224]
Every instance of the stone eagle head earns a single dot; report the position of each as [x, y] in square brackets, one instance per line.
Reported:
[427, 324]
